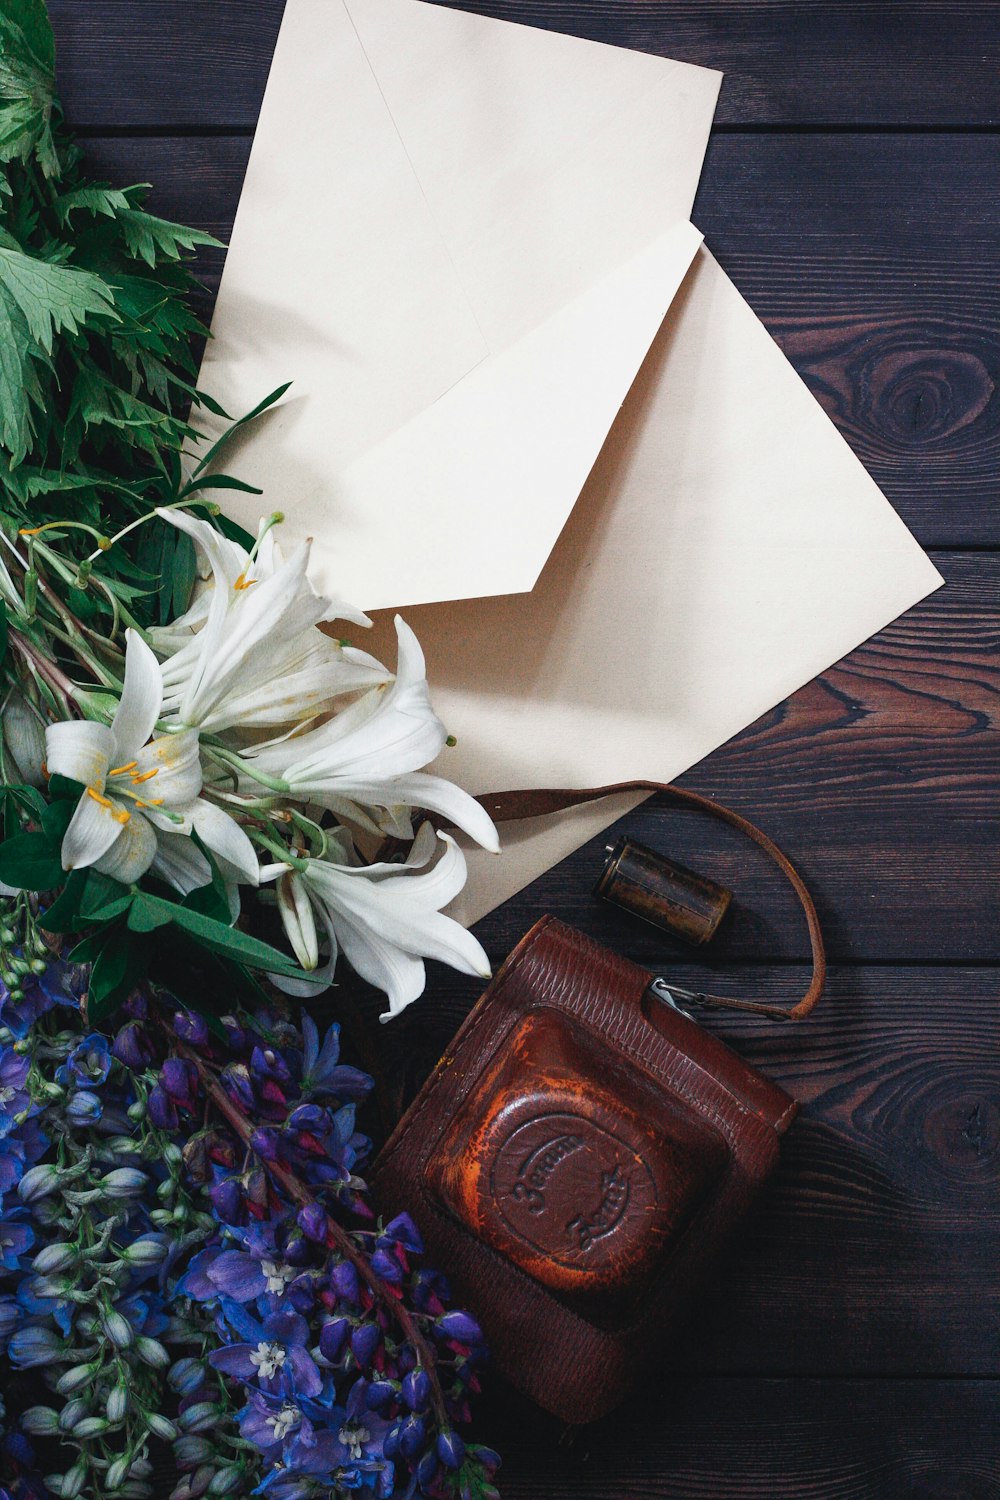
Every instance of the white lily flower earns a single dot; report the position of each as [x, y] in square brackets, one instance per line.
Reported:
[138, 788]
[246, 655]
[385, 918]
[367, 757]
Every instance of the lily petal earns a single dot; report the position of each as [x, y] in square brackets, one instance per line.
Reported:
[226, 839]
[432, 794]
[131, 855]
[92, 831]
[142, 695]
[179, 861]
[79, 750]
[173, 760]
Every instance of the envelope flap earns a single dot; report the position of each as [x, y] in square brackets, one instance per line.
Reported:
[546, 160]
[491, 471]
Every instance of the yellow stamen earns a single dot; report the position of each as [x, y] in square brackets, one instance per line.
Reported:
[145, 775]
[30, 530]
[103, 801]
[243, 582]
[121, 815]
[153, 802]
[120, 770]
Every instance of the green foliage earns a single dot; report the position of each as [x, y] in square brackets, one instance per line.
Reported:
[96, 331]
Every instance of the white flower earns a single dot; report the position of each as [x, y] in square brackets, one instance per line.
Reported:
[138, 788]
[367, 757]
[385, 918]
[247, 655]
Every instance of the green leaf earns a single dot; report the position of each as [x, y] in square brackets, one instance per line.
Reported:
[4, 630]
[30, 863]
[56, 819]
[218, 482]
[104, 898]
[63, 915]
[231, 432]
[146, 913]
[27, 80]
[53, 299]
[64, 789]
[91, 200]
[218, 937]
[148, 238]
[118, 968]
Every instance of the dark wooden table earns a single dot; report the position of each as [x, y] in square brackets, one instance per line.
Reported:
[851, 1348]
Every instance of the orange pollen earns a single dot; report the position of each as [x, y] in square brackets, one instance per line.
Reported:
[243, 582]
[145, 776]
[103, 801]
[120, 770]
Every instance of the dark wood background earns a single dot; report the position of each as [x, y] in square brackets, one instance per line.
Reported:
[850, 1350]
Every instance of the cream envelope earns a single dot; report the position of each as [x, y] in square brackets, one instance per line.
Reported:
[460, 236]
[448, 236]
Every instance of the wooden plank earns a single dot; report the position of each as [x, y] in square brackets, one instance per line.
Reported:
[890, 314]
[873, 1250]
[788, 62]
[707, 1439]
[880, 779]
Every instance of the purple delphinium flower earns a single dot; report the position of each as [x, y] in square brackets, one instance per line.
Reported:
[14, 1096]
[273, 1354]
[61, 984]
[16, 1238]
[89, 1063]
[322, 1071]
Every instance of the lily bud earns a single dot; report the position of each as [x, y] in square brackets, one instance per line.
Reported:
[298, 920]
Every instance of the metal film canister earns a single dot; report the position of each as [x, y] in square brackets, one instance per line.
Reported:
[651, 886]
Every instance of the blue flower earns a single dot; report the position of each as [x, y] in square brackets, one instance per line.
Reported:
[321, 1072]
[61, 984]
[269, 1423]
[89, 1063]
[274, 1354]
[84, 1108]
[16, 1239]
[14, 1096]
[32, 1346]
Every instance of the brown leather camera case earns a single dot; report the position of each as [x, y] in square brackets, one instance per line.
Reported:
[575, 1162]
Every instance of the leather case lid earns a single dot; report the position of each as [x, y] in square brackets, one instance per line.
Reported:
[574, 1162]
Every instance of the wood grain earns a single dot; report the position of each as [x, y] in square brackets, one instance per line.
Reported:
[887, 1201]
[787, 62]
[880, 290]
[880, 779]
[725, 1439]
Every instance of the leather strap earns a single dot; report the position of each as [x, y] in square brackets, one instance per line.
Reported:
[504, 807]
